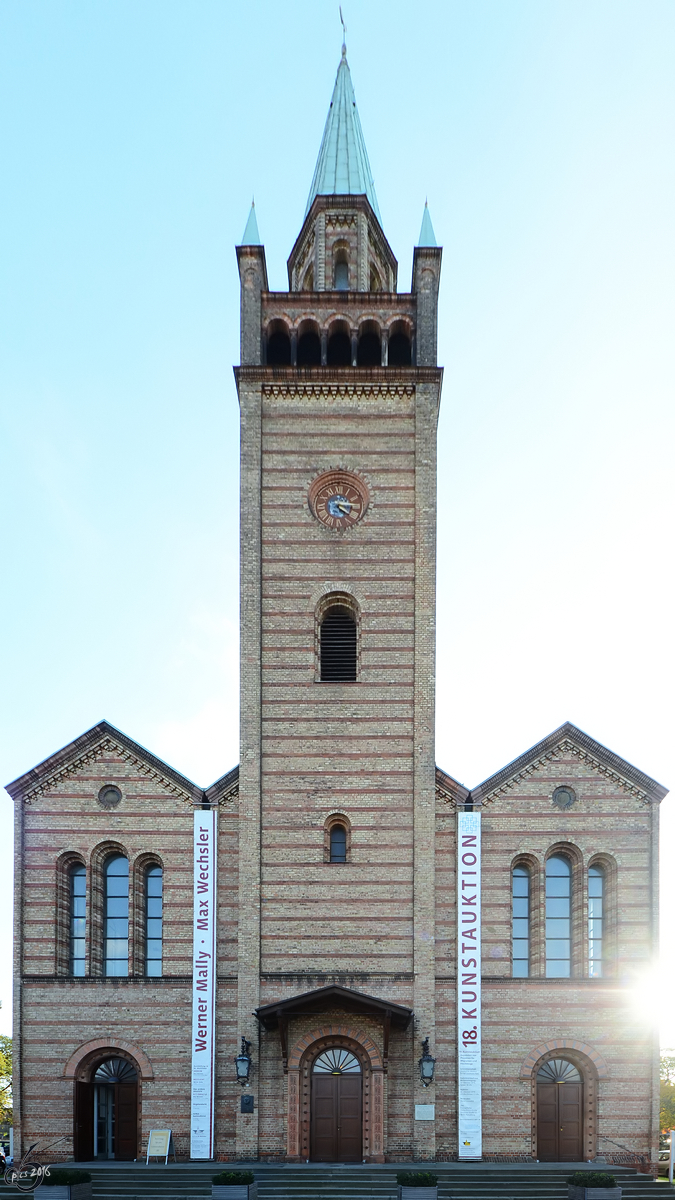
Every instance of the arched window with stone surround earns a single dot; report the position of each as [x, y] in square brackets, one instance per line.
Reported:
[558, 917]
[154, 880]
[596, 920]
[520, 921]
[116, 916]
[77, 879]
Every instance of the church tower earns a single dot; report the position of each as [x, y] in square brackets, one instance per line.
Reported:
[339, 392]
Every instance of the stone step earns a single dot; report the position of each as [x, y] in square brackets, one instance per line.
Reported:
[482, 1181]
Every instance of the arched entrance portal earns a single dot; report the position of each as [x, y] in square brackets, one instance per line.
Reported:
[106, 1112]
[560, 1112]
[336, 1107]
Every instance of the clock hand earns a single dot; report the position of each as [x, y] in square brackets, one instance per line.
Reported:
[344, 508]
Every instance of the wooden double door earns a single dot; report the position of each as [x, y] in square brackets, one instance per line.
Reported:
[106, 1121]
[336, 1118]
[560, 1122]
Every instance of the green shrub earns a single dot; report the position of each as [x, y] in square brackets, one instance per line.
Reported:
[63, 1176]
[233, 1178]
[601, 1179]
[416, 1179]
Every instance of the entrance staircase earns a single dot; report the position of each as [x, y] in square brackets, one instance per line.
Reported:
[475, 1181]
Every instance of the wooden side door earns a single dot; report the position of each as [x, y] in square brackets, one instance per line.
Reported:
[83, 1122]
[324, 1117]
[570, 1130]
[547, 1122]
[350, 1144]
[126, 1112]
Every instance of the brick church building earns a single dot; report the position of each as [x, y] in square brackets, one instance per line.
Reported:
[403, 968]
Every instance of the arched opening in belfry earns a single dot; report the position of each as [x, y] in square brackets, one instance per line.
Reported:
[309, 346]
[369, 353]
[341, 270]
[400, 346]
[278, 345]
[338, 642]
[339, 345]
[375, 281]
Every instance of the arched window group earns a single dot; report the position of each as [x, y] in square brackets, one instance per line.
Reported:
[338, 345]
[111, 918]
[558, 919]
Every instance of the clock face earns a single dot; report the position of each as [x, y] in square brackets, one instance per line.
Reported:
[338, 499]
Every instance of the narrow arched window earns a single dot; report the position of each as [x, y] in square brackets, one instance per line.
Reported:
[558, 917]
[341, 275]
[78, 897]
[116, 921]
[338, 843]
[338, 645]
[520, 922]
[153, 920]
[596, 901]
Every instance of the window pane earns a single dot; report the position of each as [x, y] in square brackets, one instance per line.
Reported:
[338, 844]
[557, 865]
[557, 969]
[153, 921]
[116, 966]
[521, 948]
[557, 948]
[521, 885]
[521, 906]
[557, 927]
[521, 927]
[557, 887]
[520, 968]
[118, 906]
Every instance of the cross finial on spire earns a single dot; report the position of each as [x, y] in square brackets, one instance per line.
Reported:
[344, 34]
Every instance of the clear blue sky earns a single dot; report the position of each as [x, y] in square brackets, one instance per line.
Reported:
[133, 137]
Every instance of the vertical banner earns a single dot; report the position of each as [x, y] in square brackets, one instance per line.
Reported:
[203, 983]
[469, 1113]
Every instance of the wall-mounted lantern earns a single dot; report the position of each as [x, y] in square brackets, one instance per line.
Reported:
[427, 1064]
[243, 1062]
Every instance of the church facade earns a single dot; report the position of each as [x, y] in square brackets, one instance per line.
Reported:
[399, 968]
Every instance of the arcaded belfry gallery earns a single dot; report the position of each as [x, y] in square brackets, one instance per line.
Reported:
[401, 968]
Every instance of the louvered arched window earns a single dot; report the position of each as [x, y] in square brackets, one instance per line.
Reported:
[338, 645]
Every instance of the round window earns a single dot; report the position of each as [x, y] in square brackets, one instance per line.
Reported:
[563, 797]
[109, 796]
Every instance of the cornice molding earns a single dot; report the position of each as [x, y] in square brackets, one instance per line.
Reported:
[570, 740]
[90, 747]
[449, 793]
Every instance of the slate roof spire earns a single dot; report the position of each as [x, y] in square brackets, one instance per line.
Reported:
[342, 168]
[427, 236]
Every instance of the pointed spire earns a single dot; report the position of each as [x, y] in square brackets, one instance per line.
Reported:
[427, 236]
[342, 168]
[251, 236]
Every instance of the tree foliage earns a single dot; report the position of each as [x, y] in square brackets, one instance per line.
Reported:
[667, 1113]
[6, 1115]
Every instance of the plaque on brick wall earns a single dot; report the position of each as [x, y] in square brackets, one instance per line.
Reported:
[469, 1101]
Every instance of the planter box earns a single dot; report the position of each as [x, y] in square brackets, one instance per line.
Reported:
[234, 1191]
[584, 1193]
[417, 1193]
[74, 1191]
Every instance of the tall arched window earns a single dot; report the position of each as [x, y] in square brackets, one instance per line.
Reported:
[338, 645]
[153, 920]
[558, 917]
[596, 900]
[520, 922]
[338, 843]
[78, 896]
[116, 921]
